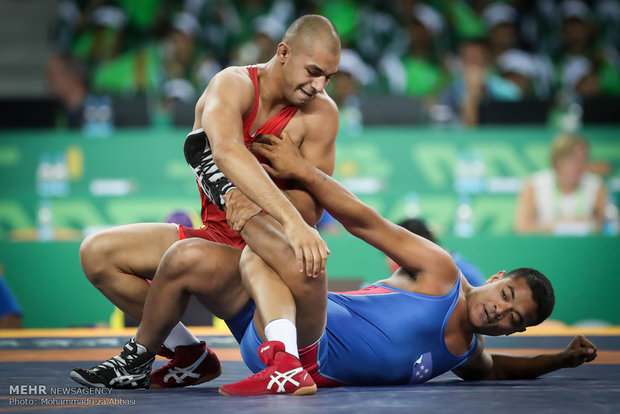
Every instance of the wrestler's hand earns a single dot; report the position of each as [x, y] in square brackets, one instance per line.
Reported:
[285, 159]
[579, 350]
[310, 249]
[239, 209]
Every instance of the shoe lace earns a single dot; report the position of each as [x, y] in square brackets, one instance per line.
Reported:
[266, 373]
[118, 361]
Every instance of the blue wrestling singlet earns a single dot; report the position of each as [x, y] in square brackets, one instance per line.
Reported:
[380, 335]
[384, 335]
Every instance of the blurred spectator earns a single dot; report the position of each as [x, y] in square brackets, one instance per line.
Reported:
[66, 25]
[501, 20]
[417, 226]
[266, 36]
[608, 21]
[578, 77]
[10, 312]
[420, 72]
[470, 76]
[221, 26]
[508, 26]
[68, 82]
[187, 69]
[171, 49]
[378, 33]
[345, 14]
[576, 28]
[585, 66]
[565, 199]
[518, 68]
[117, 66]
[465, 19]
[247, 11]
[346, 86]
[353, 73]
[101, 39]
[475, 79]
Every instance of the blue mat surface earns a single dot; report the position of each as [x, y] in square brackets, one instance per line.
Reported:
[590, 389]
[35, 386]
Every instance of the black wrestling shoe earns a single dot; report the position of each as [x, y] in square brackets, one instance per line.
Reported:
[128, 370]
[211, 180]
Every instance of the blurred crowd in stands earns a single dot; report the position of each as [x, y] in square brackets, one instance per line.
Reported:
[450, 55]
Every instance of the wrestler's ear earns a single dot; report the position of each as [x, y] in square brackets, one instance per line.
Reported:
[283, 52]
[497, 276]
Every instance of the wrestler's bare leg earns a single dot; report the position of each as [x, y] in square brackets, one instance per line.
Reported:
[196, 266]
[117, 261]
[211, 272]
[280, 290]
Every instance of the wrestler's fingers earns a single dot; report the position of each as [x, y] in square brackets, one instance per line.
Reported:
[299, 255]
[324, 253]
[261, 149]
[309, 261]
[582, 355]
[237, 225]
[267, 138]
[586, 343]
[318, 261]
[269, 169]
[285, 137]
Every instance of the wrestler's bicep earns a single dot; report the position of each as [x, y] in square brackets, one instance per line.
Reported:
[222, 116]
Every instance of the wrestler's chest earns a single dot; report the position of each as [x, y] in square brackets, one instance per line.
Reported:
[295, 128]
[457, 340]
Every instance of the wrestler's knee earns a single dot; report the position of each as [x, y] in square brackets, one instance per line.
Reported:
[247, 262]
[304, 288]
[187, 259]
[301, 286]
[96, 252]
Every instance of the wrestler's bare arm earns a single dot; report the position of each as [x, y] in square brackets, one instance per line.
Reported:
[412, 252]
[487, 366]
[222, 120]
[319, 149]
[320, 126]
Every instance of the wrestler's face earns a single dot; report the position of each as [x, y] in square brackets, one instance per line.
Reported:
[307, 71]
[501, 307]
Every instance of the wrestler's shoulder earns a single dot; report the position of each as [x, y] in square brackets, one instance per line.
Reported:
[231, 78]
[322, 105]
[236, 74]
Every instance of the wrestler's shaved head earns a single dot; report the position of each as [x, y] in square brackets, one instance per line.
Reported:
[310, 30]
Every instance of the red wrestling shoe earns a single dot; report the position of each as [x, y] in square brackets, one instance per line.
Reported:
[165, 352]
[191, 365]
[283, 375]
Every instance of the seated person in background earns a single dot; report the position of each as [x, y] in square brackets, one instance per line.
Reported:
[585, 62]
[420, 72]
[477, 78]
[517, 69]
[565, 199]
[502, 23]
[68, 83]
[417, 226]
[10, 312]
